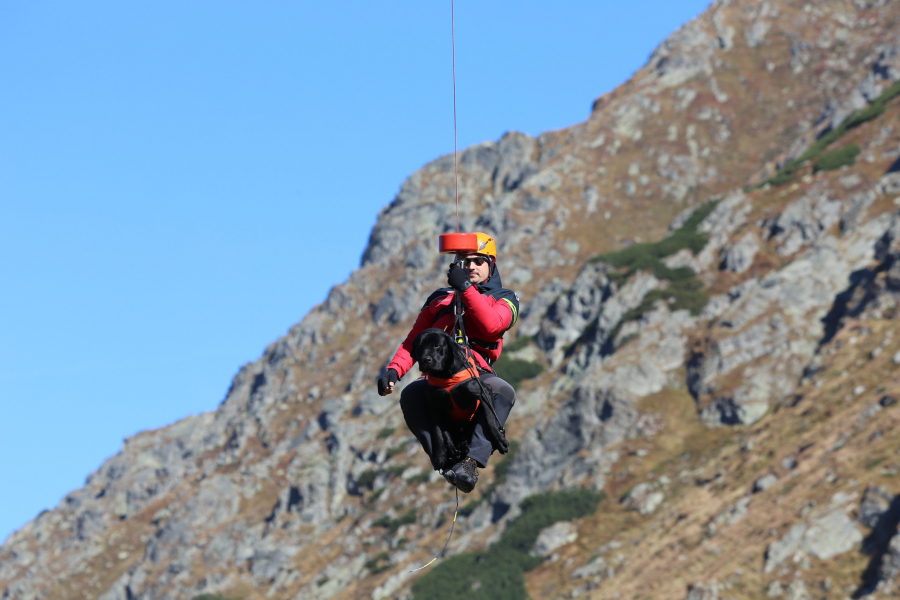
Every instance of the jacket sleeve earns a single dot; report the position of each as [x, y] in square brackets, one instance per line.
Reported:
[493, 318]
[403, 360]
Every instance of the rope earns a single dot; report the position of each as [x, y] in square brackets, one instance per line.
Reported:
[455, 163]
[456, 177]
[436, 556]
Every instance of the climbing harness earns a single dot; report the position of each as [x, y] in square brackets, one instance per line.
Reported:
[457, 413]
[459, 329]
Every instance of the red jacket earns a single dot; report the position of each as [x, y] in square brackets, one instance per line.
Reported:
[486, 319]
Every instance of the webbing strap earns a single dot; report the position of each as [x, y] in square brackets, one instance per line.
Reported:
[459, 310]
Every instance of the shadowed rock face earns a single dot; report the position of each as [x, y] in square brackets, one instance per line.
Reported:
[729, 437]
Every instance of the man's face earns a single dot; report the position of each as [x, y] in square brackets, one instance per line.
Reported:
[478, 273]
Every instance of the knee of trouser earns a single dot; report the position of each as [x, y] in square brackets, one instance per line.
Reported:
[505, 391]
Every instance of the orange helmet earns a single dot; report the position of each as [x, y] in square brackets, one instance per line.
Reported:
[486, 245]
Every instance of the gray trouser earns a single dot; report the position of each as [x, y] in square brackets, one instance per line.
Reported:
[412, 402]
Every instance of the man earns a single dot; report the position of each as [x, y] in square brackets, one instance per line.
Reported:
[490, 310]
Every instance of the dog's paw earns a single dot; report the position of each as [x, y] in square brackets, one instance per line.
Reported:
[449, 443]
[498, 440]
[438, 459]
[439, 450]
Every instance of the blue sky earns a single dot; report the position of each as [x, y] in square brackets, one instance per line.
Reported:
[180, 182]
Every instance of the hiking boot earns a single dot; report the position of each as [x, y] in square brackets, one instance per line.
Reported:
[464, 475]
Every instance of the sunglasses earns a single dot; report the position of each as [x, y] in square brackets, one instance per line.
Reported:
[478, 260]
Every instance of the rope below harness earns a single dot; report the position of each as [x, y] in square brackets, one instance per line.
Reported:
[452, 525]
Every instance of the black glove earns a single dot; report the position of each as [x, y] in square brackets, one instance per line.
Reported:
[458, 278]
[390, 376]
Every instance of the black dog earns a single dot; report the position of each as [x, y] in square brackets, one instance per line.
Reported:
[440, 356]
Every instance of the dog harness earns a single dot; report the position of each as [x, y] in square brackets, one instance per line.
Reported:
[457, 413]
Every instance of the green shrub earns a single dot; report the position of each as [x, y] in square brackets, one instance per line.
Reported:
[210, 597]
[514, 371]
[392, 452]
[386, 432]
[646, 256]
[692, 240]
[502, 467]
[874, 463]
[404, 519]
[625, 340]
[379, 563]
[393, 525]
[542, 511]
[678, 274]
[396, 470]
[680, 295]
[636, 256]
[518, 343]
[382, 521]
[367, 478]
[782, 177]
[687, 295]
[819, 145]
[685, 290]
[838, 158]
[421, 477]
[876, 109]
[498, 573]
[618, 277]
[469, 507]
[693, 222]
[889, 94]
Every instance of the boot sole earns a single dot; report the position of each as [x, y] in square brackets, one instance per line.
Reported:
[462, 486]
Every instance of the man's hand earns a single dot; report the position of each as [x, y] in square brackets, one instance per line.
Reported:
[387, 381]
[458, 278]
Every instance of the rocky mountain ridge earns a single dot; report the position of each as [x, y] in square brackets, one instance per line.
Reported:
[717, 327]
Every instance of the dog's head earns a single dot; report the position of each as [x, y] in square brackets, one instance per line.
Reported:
[438, 353]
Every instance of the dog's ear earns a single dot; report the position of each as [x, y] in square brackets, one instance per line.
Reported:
[446, 353]
[417, 346]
